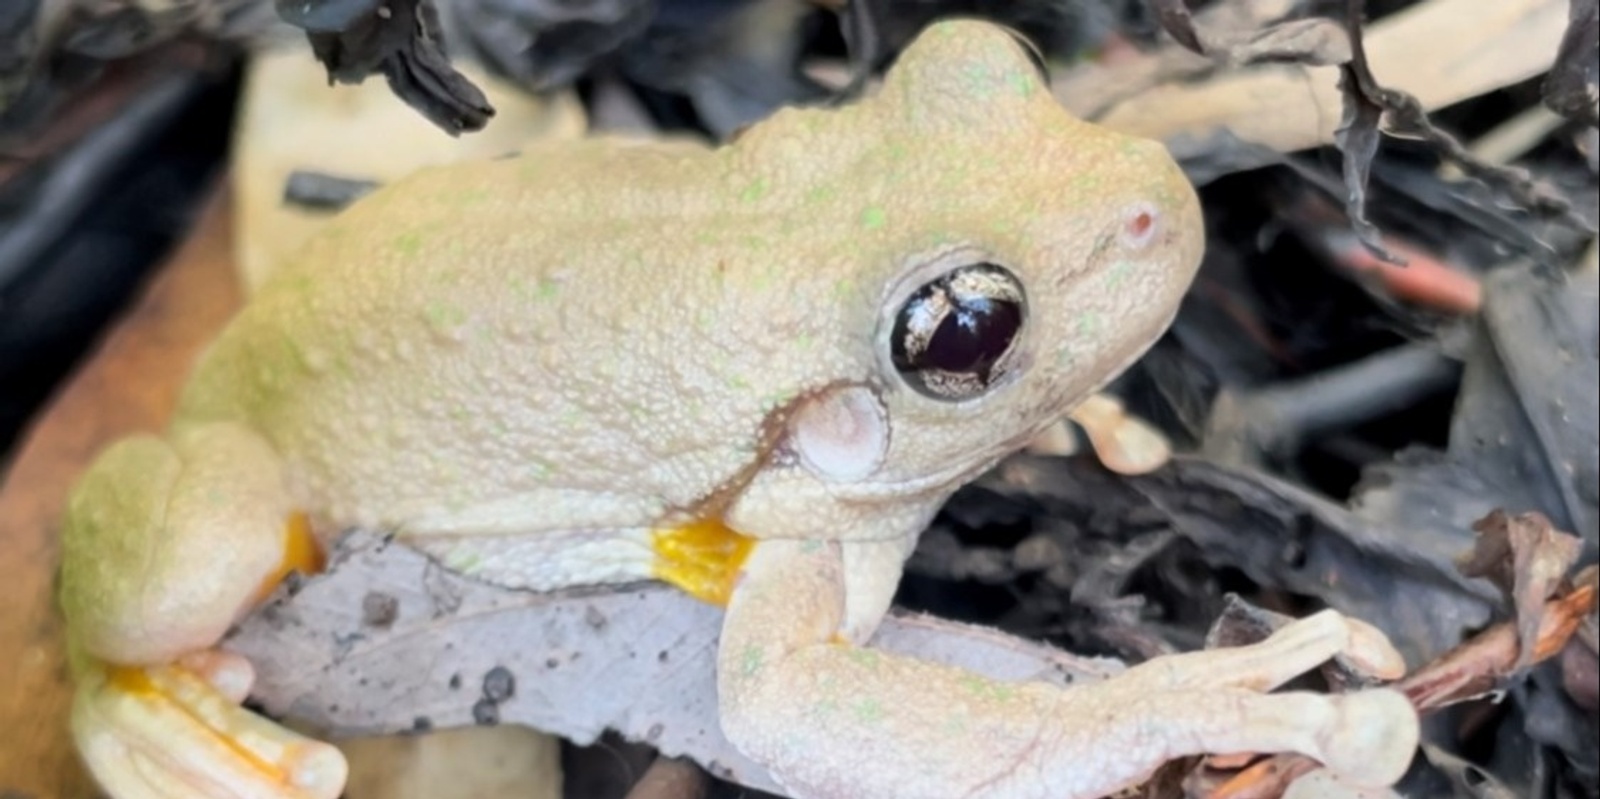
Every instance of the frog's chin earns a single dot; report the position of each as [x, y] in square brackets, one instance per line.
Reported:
[944, 481]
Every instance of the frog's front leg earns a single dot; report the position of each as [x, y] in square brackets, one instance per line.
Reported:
[166, 542]
[833, 719]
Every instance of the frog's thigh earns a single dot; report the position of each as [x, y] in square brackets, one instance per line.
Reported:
[167, 540]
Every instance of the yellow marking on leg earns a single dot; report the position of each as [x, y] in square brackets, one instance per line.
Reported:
[131, 680]
[301, 553]
[702, 558]
[137, 681]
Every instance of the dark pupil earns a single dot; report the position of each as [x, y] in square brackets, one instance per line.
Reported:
[952, 332]
[973, 336]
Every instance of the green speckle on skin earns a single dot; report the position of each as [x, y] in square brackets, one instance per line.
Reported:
[441, 315]
[842, 288]
[1022, 84]
[520, 286]
[636, 410]
[1088, 324]
[1118, 273]
[296, 352]
[775, 399]
[810, 546]
[873, 218]
[988, 689]
[864, 657]
[547, 289]
[751, 660]
[301, 284]
[757, 189]
[465, 563]
[770, 270]
[822, 194]
[408, 243]
[869, 710]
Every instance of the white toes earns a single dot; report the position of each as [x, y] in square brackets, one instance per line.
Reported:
[1374, 738]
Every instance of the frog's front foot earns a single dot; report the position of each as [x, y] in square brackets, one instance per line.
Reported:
[832, 719]
[1214, 696]
[177, 731]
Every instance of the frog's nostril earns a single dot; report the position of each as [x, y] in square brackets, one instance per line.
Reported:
[1140, 224]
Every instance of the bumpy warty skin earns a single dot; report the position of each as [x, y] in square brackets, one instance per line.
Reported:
[611, 330]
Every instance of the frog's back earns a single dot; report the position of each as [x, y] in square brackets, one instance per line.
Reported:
[635, 320]
[568, 317]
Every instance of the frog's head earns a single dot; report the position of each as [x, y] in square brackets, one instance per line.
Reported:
[1012, 258]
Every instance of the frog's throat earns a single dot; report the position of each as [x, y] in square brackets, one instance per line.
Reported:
[701, 558]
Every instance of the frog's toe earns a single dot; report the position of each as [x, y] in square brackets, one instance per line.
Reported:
[228, 674]
[1374, 739]
[169, 732]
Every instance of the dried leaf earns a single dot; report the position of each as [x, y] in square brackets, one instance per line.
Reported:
[400, 39]
[1572, 88]
[1527, 560]
[1178, 22]
[1483, 663]
[449, 651]
[1367, 103]
[1357, 136]
[1580, 660]
[1467, 778]
[1312, 42]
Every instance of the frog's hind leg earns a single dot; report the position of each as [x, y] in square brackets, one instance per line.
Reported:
[166, 543]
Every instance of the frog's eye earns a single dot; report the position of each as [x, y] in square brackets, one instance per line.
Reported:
[953, 336]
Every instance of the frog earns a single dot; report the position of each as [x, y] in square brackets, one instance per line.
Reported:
[754, 371]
